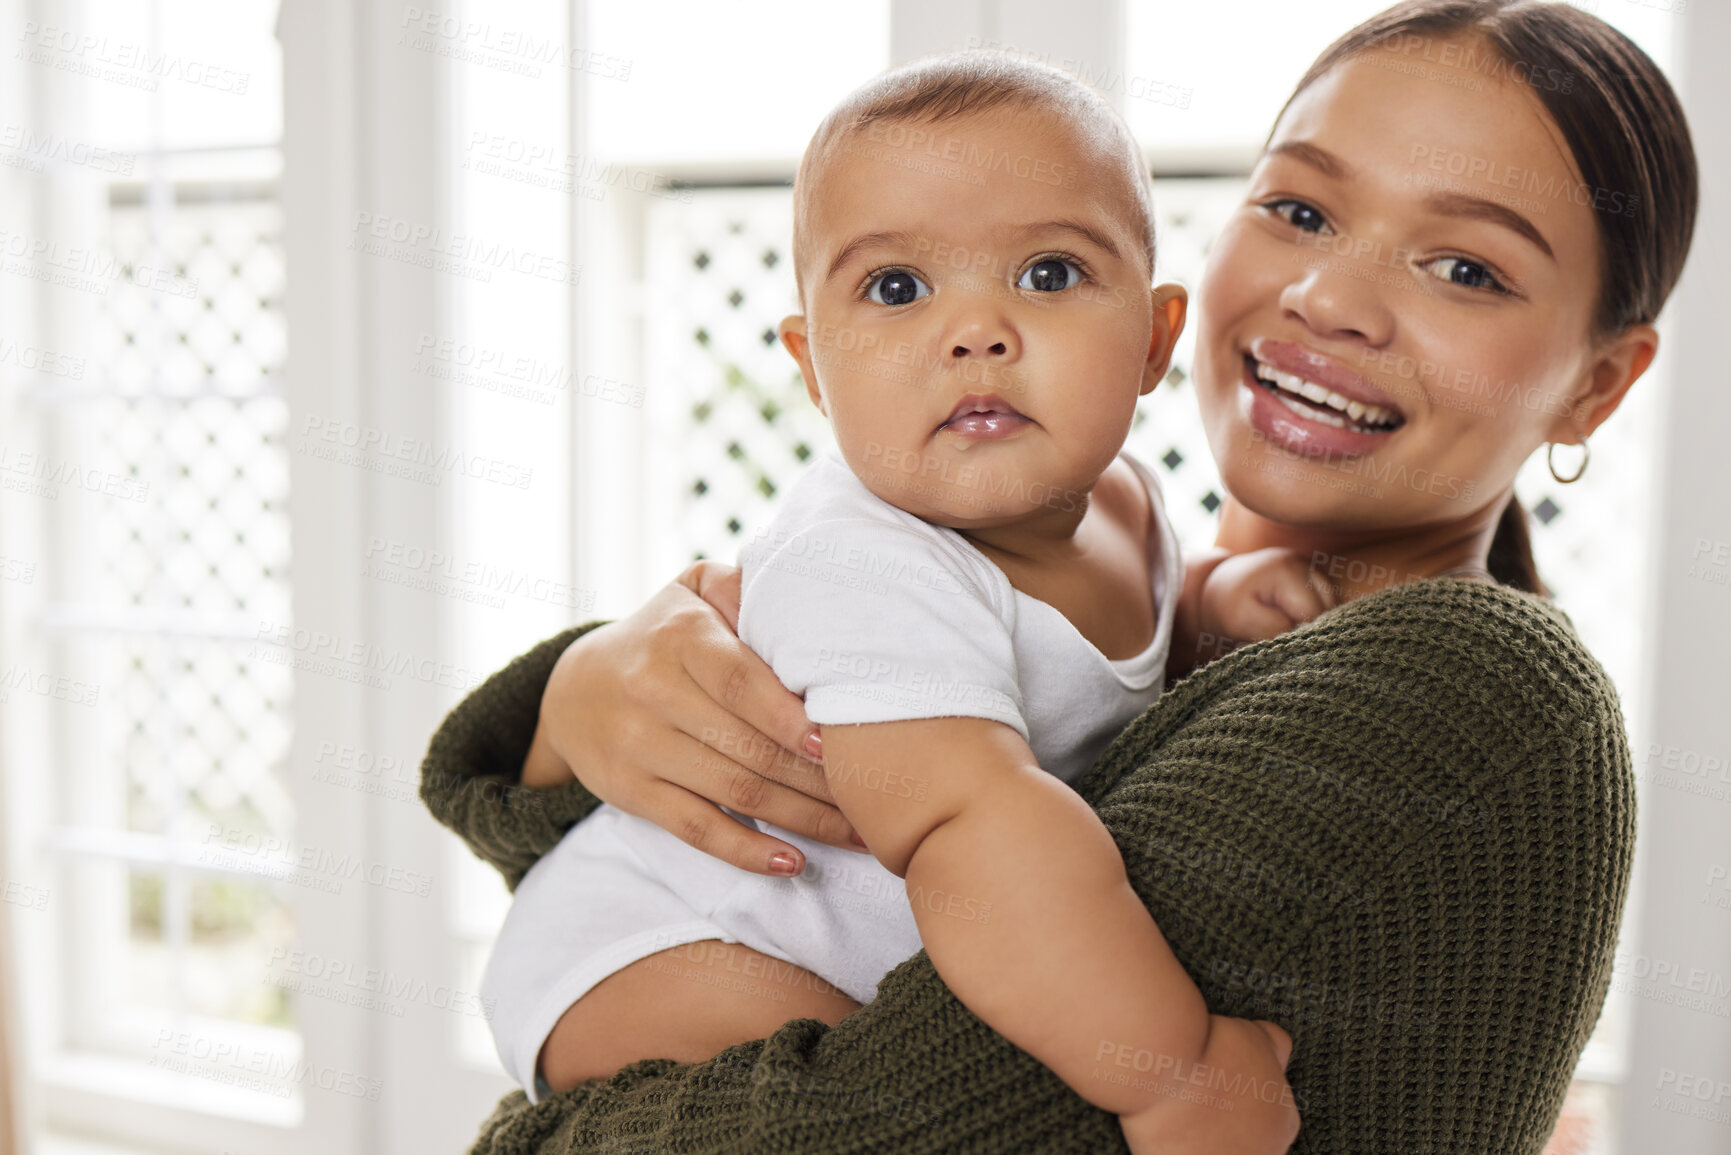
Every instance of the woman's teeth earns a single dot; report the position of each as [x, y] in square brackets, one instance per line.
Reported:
[1288, 386]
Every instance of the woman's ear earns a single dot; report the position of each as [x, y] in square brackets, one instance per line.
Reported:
[1171, 306]
[791, 330]
[1615, 366]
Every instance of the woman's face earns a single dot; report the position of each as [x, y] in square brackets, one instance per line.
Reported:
[1399, 313]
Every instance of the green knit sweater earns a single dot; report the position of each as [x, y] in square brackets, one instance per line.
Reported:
[1402, 831]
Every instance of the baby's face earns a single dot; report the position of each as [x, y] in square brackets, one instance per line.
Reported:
[979, 319]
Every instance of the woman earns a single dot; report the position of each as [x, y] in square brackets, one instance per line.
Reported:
[1402, 831]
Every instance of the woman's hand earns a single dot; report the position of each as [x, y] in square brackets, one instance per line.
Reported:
[666, 714]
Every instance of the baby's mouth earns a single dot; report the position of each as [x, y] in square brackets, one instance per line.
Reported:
[984, 415]
[1321, 404]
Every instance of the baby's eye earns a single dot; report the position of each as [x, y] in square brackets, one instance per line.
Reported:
[1301, 216]
[897, 287]
[1050, 275]
[1466, 273]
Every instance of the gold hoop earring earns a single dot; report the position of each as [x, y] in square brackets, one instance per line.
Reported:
[1586, 456]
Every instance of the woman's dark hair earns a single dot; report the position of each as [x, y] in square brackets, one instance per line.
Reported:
[1625, 129]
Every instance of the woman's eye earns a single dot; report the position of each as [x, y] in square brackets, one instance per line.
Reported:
[1300, 215]
[1468, 274]
[897, 287]
[1050, 275]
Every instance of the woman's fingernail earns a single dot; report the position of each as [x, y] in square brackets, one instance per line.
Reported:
[784, 863]
[814, 746]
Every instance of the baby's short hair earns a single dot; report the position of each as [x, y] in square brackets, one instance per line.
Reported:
[957, 84]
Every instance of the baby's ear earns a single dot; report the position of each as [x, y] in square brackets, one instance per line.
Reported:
[793, 336]
[1171, 304]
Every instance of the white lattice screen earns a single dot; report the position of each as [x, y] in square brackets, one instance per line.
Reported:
[164, 595]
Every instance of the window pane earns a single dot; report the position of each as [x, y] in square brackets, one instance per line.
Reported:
[774, 85]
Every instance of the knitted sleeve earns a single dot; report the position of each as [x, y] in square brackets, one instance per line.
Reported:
[1451, 768]
[471, 775]
[1402, 831]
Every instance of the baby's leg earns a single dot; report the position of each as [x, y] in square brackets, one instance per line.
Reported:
[687, 1003]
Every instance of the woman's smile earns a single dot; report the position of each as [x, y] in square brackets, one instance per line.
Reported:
[1308, 403]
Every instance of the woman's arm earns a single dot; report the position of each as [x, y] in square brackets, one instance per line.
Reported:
[471, 775]
[665, 714]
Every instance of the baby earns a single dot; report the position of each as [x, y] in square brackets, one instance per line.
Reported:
[975, 594]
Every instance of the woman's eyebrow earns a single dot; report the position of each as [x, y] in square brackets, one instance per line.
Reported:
[1316, 157]
[1478, 209]
[868, 241]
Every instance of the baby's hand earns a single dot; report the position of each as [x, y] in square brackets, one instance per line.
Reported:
[1252, 596]
[1242, 1107]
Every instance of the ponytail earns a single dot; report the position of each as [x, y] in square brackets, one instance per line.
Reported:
[1511, 557]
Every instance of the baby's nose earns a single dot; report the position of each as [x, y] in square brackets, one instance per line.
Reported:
[998, 348]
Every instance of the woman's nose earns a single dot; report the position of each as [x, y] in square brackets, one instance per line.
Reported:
[1333, 302]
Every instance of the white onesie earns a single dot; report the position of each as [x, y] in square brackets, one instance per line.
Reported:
[874, 616]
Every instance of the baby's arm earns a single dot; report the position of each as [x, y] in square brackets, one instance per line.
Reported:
[1024, 907]
[1230, 599]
